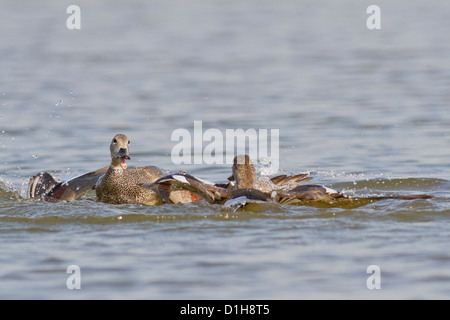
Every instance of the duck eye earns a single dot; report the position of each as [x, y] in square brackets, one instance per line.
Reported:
[115, 140]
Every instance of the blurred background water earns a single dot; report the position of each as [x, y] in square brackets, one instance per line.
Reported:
[365, 111]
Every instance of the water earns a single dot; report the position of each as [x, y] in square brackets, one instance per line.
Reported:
[361, 111]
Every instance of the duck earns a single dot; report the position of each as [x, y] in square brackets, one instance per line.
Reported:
[116, 183]
[321, 196]
[231, 198]
[280, 189]
[123, 184]
[244, 185]
[244, 177]
[245, 188]
[206, 190]
[305, 193]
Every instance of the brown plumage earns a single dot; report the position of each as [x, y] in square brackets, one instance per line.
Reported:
[243, 183]
[244, 176]
[121, 184]
[247, 187]
[301, 195]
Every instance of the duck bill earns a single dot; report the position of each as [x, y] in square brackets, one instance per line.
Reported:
[122, 155]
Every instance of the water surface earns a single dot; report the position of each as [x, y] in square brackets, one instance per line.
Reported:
[363, 111]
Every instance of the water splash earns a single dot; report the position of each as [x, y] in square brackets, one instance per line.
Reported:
[265, 167]
[7, 191]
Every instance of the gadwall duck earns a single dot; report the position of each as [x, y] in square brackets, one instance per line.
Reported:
[211, 192]
[248, 190]
[116, 183]
[244, 177]
[244, 185]
[318, 195]
[121, 184]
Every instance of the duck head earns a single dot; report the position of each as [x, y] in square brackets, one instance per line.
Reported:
[119, 148]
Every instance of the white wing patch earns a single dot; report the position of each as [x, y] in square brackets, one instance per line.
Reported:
[180, 178]
[330, 191]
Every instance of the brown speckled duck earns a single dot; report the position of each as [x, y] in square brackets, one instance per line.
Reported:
[248, 189]
[121, 184]
[286, 189]
[245, 177]
[244, 184]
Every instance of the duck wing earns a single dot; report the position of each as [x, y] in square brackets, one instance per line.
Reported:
[250, 194]
[44, 185]
[203, 189]
[248, 199]
[315, 193]
[41, 184]
[304, 193]
[283, 180]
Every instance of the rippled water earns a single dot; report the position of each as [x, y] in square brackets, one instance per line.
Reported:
[362, 111]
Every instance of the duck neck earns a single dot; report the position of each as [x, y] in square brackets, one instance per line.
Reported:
[245, 177]
[115, 164]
